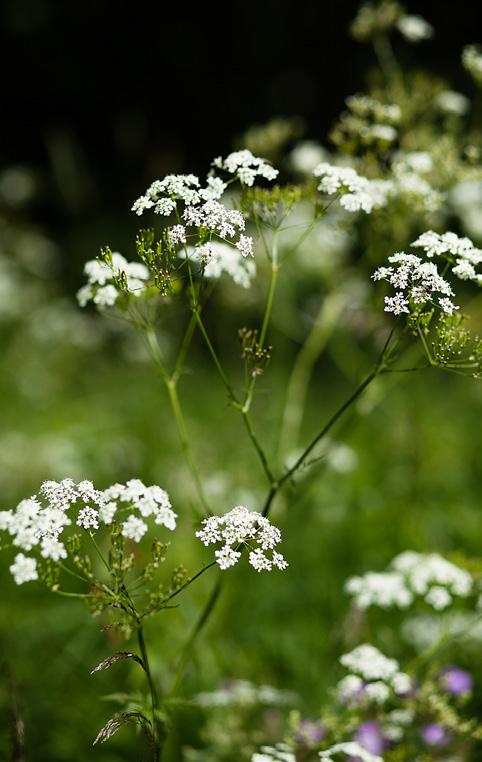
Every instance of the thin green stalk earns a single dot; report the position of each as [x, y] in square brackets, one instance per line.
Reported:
[213, 354]
[188, 649]
[324, 431]
[185, 445]
[171, 387]
[330, 309]
[157, 728]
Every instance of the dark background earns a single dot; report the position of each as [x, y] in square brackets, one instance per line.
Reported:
[103, 97]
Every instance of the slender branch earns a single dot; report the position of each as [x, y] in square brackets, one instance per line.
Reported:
[308, 354]
[188, 648]
[154, 695]
[171, 387]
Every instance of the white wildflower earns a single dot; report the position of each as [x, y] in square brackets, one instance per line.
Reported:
[24, 569]
[438, 597]
[176, 234]
[397, 304]
[134, 528]
[414, 28]
[350, 749]
[447, 306]
[88, 518]
[239, 527]
[472, 61]
[226, 557]
[451, 102]
[349, 687]
[224, 259]
[52, 548]
[369, 663]
[353, 188]
[246, 167]
[380, 589]
[161, 196]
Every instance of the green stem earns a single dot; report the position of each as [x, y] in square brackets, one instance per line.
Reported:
[329, 311]
[213, 354]
[171, 387]
[187, 651]
[156, 725]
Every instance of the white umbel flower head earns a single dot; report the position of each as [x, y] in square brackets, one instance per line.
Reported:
[241, 527]
[414, 28]
[246, 167]
[24, 569]
[350, 749]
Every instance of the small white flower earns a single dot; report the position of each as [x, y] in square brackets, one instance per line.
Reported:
[176, 234]
[351, 749]
[52, 548]
[246, 167]
[414, 28]
[238, 527]
[226, 557]
[452, 102]
[24, 569]
[438, 597]
[134, 528]
[88, 518]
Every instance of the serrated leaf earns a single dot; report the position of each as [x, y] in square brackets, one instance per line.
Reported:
[119, 656]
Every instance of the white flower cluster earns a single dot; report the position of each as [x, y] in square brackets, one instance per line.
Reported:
[39, 521]
[416, 282]
[414, 28]
[472, 61]
[408, 182]
[350, 749]
[452, 102]
[241, 527]
[215, 217]
[366, 106]
[355, 190]
[467, 256]
[218, 258]
[279, 753]
[244, 693]
[104, 293]
[162, 195]
[246, 167]
[372, 676]
[411, 574]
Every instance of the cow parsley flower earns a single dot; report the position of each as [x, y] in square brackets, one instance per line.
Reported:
[24, 569]
[410, 575]
[460, 252]
[161, 195]
[414, 28]
[222, 258]
[351, 749]
[279, 753]
[134, 528]
[149, 501]
[39, 523]
[104, 293]
[472, 61]
[241, 527]
[353, 188]
[88, 518]
[452, 102]
[246, 167]
[416, 282]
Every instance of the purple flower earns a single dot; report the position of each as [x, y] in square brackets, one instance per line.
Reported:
[456, 681]
[309, 732]
[369, 735]
[434, 734]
